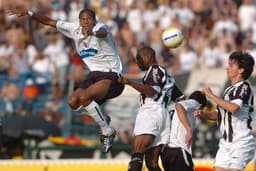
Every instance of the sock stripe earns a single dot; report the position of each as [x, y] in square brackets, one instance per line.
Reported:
[99, 113]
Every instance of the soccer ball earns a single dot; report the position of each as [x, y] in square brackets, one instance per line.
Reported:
[172, 37]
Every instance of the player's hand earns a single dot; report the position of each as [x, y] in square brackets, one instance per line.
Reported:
[123, 80]
[198, 113]
[207, 91]
[188, 138]
[88, 32]
[19, 12]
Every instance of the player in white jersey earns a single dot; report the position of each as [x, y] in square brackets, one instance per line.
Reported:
[237, 145]
[177, 154]
[152, 125]
[96, 46]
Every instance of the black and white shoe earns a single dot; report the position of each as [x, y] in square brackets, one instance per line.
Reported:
[108, 140]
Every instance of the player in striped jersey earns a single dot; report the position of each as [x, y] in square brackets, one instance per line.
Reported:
[96, 47]
[237, 145]
[152, 125]
[177, 154]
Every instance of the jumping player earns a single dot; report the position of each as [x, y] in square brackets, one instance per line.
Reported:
[237, 144]
[177, 154]
[152, 125]
[95, 45]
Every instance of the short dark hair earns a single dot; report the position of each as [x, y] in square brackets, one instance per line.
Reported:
[244, 60]
[89, 11]
[199, 97]
[148, 50]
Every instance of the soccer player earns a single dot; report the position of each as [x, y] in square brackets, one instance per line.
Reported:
[237, 144]
[177, 154]
[152, 124]
[95, 45]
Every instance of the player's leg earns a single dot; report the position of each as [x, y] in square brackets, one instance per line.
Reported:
[168, 158]
[151, 158]
[84, 102]
[140, 145]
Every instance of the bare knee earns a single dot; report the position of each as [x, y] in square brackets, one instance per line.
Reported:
[84, 99]
[73, 102]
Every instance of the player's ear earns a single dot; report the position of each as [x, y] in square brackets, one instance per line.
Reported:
[241, 71]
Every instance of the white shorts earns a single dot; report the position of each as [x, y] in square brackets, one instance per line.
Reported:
[235, 155]
[153, 119]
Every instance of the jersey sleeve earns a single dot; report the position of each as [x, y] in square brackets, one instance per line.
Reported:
[66, 28]
[190, 104]
[176, 94]
[98, 26]
[242, 95]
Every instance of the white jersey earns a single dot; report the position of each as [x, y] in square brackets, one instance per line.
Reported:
[236, 126]
[178, 132]
[99, 54]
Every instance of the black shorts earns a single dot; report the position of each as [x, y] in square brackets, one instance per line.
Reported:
[174, 160]
[115, 89]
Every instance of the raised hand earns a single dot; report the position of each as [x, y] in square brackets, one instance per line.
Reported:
[208, 91]
[19, 12]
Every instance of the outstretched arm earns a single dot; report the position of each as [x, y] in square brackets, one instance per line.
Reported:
[40, 18]
[144, 89]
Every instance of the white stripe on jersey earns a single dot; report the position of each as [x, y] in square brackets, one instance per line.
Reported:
[99, 54]
[158, 78]
[235, 126]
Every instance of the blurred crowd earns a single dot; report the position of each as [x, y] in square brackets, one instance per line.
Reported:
[40, 66]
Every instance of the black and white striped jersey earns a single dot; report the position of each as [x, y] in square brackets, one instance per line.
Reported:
[164, 84]
[237, 125]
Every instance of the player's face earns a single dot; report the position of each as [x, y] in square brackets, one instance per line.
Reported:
[233, 70]
[140, 62]
[86, 21]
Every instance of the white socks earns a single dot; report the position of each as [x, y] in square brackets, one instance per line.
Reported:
[93, 110]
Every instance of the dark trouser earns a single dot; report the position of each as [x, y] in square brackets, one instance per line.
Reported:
[115, 89]
[174, 159]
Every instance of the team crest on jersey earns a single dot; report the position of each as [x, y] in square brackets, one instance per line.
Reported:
[88, 53]
[243, 90]
[156, 76]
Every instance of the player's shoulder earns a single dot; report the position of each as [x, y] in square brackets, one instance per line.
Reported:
[99, 25]
[189, 103]
[158, 67]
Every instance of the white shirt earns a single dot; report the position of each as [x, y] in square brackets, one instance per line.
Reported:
[99, 54]
[178, 132]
